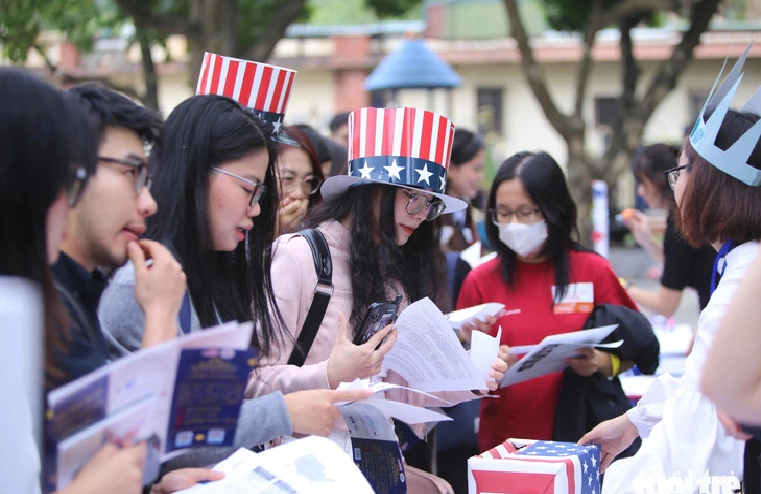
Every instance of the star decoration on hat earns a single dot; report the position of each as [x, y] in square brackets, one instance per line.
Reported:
[276, 126]
[366, 171]
[394, 169]
[424, 175]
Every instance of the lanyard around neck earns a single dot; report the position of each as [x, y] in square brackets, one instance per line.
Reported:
[728, 245]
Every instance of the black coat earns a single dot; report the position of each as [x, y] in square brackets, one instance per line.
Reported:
[584, 402]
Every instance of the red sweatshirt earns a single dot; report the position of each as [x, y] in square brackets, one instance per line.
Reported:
[527, 409]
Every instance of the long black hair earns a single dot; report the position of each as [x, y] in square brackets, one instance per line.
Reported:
[376, 261]
[45, 139]
[546, 185]
[201, 133]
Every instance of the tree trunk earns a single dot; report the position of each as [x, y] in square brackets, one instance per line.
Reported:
[151, 98]
[213, 29]
[580, 185]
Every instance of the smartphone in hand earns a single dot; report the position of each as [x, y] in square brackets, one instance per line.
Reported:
[377, 317]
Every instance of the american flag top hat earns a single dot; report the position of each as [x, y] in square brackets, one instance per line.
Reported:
[405, 147]
[732, 161]
[261, 87]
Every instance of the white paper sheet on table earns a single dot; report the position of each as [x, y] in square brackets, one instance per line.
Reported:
[313, 465]
[428, 354]
[548, 356]
[468, 315]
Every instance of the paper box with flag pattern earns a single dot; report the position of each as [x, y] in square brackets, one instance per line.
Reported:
[540, 467]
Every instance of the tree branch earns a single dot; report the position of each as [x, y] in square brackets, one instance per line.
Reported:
[41, 50]
[665, 80]
[275, 30]
[163, 24]
[626, 8]
[535, 75]
[585, 65]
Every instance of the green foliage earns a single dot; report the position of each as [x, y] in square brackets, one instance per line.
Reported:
[392, 8]
[344, 12]
[22, 21]
[574, 15]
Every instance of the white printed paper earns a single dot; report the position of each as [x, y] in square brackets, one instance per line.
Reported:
[428, 354]
[313, 465]
[470, 314]
[549, 355]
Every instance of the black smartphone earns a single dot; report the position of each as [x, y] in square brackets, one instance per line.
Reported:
[377, 317]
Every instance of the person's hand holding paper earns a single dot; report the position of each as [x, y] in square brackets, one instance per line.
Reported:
[483, 350]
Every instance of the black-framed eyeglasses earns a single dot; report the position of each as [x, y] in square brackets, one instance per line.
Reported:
[523, 215]
[309, 185]
[257, 191]
[672, 175]
[418, 202]
[142, 178]
[76, 186]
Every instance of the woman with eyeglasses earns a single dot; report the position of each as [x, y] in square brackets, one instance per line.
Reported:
[214, 181]
[380, 225]
[300, 176]
[683, 265]
[549, 284]
[47, 152]
[717, 188]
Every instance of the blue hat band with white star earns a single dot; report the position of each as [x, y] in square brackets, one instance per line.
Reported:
[275, 121]
[401, 170]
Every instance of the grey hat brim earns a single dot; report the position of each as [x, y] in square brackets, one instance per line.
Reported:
[335, 187]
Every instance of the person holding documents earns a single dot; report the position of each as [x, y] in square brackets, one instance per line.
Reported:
[383, 242]
[548, 283]
[47, 154]
[717, 187]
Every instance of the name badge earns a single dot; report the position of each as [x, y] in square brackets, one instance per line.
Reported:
[579, 298]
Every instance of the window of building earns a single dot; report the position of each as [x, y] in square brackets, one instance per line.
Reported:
[489, 110]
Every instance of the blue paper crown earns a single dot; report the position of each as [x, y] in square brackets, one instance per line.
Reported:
[733, 161]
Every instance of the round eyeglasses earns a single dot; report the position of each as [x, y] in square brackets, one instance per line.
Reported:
[418, 202]
[501, 216]
[142, 178]
[257, 188]
[309, 185]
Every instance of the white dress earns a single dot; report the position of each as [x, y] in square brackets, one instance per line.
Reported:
[682, 437]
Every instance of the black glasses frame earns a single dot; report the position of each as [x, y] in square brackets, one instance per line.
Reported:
[143, 179]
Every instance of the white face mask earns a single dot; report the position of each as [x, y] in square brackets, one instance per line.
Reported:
[522, 238]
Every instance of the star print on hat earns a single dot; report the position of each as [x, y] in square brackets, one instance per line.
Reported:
[404, 147]
[263, 88]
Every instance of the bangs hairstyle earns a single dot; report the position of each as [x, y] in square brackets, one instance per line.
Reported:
[546, 185]
[649, 163]
[717, 207]
[465, 146]
[44, 137]
[305, 143]
[419, 265]
[201, 133]
[112, 109]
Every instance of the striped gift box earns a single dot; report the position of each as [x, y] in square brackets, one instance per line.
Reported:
[541, 467]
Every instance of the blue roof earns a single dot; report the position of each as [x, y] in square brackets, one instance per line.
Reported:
[413, 65]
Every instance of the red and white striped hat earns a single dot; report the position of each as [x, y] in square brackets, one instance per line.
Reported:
[263, 88]
[405, 147]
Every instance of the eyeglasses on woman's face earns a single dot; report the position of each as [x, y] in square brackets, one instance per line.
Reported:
[502, 216]
[418, 201]
[672, 175]
[140, 175]
[309, 185]
[256, 189]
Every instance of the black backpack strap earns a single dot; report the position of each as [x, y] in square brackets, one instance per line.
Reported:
[323, 290]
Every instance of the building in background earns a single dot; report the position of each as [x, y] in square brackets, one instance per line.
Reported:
[472, 35]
